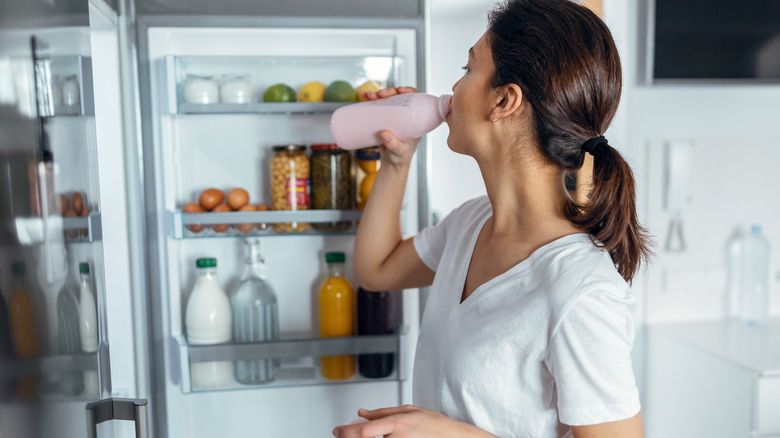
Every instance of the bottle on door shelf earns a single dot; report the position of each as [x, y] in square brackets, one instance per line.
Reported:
[751, 267]
[69, 338]
[408, 116]
[337, 316]
[24, 332]
[208, 321]
[88, 326]
[255, 316]
[375, 317]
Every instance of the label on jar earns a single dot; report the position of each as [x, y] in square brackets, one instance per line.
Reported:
[297, 192]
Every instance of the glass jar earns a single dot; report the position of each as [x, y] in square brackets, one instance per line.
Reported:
[290, 184]
[236, 89]
[331, 183]
[200, 89]
[367, 160]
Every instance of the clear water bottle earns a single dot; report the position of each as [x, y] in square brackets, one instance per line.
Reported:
[255, 316]
[69, 339]
[753, 274]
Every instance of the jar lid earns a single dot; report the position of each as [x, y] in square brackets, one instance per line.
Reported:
[334, 257]
[206, 77]
[325, 147]
[206, 263]
[18, 268]
[289, 148]
[368, 154]
[84, 268]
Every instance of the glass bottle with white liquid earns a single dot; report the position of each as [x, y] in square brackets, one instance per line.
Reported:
[69, 338]
[255, 315]
[208, 321]
[88, 328]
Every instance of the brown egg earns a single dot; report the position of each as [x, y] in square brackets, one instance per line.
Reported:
[210, 198]
[78, 202]
[72, 233]
[194, 207]
[263, 207]
[237, 198]
[85, 212]
[245, 228]
[220, 228]
[64, 203]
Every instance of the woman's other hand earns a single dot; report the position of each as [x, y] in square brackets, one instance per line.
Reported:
[394, 151]
[407, 421]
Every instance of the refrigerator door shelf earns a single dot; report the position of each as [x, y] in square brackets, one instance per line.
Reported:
[83, 229]
[65, 85]
[300, 373]
[180, 222]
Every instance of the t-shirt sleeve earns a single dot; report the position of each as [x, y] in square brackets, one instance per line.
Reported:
[429, 243]
[589, 358]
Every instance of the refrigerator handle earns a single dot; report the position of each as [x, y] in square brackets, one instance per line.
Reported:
[118, 409]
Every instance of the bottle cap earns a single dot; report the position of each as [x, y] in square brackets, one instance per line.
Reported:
[84, 268]
[368, 154]
[206, 263]
[325, 147]
[18, 268]
[335, 257]
[289, 148]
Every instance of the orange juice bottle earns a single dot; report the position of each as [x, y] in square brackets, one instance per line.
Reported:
[21, 316]
[337, 316]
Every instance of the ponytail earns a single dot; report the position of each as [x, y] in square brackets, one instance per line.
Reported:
[609, 215]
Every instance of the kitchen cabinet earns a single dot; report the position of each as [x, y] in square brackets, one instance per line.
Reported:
[714, 378]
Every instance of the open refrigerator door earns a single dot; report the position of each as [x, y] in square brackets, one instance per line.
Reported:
[200, 133]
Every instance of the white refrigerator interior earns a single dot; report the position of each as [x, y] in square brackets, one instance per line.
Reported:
[227, 146]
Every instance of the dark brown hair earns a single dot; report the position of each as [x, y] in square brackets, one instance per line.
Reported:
[563, 58]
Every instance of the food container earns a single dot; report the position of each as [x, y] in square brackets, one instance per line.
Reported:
[200, 89]
[70, 91]
[290, 184]
[367, 164]
[236, 89]
[331, 183]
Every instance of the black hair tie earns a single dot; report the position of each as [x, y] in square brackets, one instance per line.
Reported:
[591, 145]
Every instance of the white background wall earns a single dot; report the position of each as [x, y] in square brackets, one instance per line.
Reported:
[734, 130]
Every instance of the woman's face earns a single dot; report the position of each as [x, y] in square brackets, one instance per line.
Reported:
[471, 103]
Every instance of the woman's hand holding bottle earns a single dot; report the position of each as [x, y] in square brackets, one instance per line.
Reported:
[407, 421]
[394, 151]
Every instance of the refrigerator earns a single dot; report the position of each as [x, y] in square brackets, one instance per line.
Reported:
[67, 338]
[193, 144]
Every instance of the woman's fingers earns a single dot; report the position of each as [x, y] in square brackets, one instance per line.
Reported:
[387, 92]
[384, 412]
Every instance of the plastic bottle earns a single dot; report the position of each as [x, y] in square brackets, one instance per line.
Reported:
[375, 317]
[408, 116]
[69, 339]
[208, 321]
[255, 316]
[88, 326]
[368, 163]
[337, 316]
[754, 278]
[21, 315]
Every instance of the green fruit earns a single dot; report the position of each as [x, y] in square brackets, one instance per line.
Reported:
[279, 93]
[340, 91]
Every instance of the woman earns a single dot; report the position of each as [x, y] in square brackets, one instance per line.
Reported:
[528, 328]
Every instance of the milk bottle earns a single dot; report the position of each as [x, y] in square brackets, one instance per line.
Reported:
[408, 116]
[88, 326]
[208, 321]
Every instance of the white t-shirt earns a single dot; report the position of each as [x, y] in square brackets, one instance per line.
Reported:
[544, 345]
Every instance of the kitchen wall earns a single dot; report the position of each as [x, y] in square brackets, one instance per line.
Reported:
[735, 144]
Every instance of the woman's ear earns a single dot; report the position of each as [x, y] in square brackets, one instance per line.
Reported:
[509, 101]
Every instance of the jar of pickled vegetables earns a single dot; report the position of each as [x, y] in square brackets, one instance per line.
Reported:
[367, 160]
[331, 183]
[290, 184]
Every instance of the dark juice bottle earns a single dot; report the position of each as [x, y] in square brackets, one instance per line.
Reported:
[375, 317]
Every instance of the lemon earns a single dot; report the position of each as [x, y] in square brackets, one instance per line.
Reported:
[340, 91]
[368, 86]
[312, 92]
[279, 93]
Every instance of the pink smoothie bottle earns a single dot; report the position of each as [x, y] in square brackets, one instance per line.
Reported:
[408, 116]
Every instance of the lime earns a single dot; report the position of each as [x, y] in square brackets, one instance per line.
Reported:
[312, 92]
[340, 91]
[279, 93]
